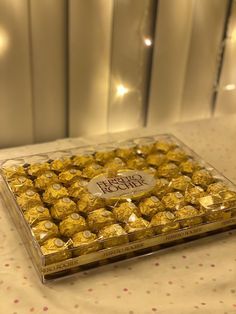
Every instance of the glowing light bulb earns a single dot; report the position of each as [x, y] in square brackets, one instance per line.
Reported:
[229, 87]
[121, 90]
[4, 41]
[147, 41]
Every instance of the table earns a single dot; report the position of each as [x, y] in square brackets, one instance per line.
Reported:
[195, 277]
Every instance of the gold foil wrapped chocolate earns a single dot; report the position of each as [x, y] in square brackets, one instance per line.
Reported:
[113, 235]
[214, 208]
[54, 192]
[137, 163]
[44, 230]
[85, 242]
[92, 170]
[72, 224]
[173, 200]
[150, 206]
[55, 250]
[113, 166]
[61, 164]
[168, 171]
[89, 202]
[45, 179]
[69, 176]
[180, 183]
[62, 208]
[164, 146]
[123, 211]
[126, 150]
[38, 168]
[216, 187]
[156, 159]
[100, 218]
[21, 184]
[14, 171]
[104, 154]
[189, 166]
[78, 188]
[188, 216]
[228, 197]
[193, 194]
[177, 155]
[28, 199]
[165, 221]
[145, 145]
[202, 178]
[84, 159]
[138, 228]
[36, 214]
[162, 188]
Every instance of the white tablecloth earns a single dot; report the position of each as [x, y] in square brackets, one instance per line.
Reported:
[196, 277]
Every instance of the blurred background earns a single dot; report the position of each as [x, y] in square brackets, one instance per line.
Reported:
[79, 67]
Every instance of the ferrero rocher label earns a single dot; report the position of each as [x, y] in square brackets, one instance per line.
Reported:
[126, 184]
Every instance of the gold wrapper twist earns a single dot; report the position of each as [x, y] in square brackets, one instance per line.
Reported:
[216, 187]
[105, 154]
[113, 166]
[62, 208]
[126, 150]
[113, 235]
[55, 250]
[164, 146]
[85, 242]
[137, 163]
[84, 160]
[72, 224]
[177, 155]
[161, 188]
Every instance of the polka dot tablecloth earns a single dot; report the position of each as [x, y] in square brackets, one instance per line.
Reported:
[195, 277]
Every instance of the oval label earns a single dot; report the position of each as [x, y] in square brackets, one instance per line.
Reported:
[127, 183]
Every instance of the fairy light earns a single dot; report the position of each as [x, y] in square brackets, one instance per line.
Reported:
[147, 41]
[229, 87]
[121, 90]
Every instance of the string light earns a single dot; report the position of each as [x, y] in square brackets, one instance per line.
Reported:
[147, 41]
[4, 41]
[121, 90]
[229, 87]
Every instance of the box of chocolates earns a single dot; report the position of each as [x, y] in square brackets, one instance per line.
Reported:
[90, 206]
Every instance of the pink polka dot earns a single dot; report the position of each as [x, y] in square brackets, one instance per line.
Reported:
[16, 301]
[234, 305]
[125, 289]
[45, 308]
